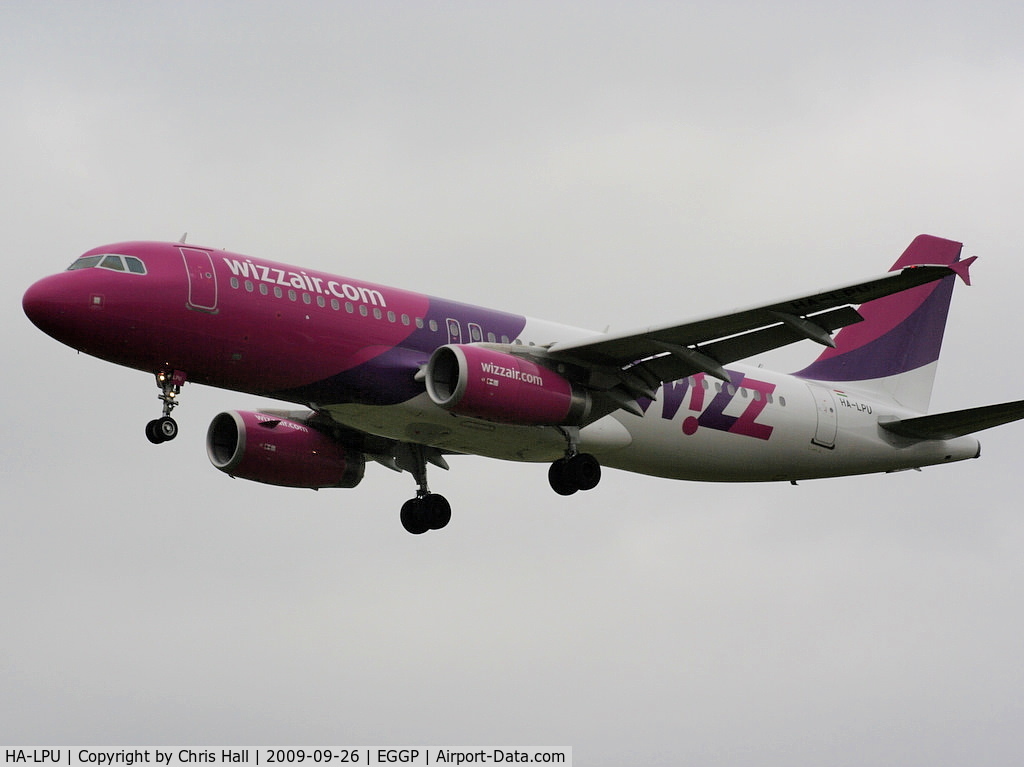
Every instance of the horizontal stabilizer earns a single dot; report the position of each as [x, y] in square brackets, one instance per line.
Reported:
[957, 423]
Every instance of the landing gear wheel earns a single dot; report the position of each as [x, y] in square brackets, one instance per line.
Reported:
[560, 478]
[161, 430]
[438, 510]
[429, 512]
[167, 427]
[585, 471]
[413, 516]
[580, 472]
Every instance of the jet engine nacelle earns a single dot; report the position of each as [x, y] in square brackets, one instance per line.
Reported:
[279, 451]
[495, 386]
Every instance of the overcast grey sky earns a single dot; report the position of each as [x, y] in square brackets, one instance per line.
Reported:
[600, 164]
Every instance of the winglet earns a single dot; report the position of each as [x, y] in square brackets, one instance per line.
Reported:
[962, 269]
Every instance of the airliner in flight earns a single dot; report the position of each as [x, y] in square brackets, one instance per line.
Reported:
[407, 380]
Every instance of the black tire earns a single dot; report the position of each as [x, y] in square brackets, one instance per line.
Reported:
[438, 511]
[585, 471]
[168, 428]
[561, 479]
[153, 433]
[414, 517]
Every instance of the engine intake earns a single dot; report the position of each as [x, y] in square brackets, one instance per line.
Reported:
[495, 386]
[279, 451]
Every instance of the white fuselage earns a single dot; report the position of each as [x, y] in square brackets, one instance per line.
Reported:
[767, 426]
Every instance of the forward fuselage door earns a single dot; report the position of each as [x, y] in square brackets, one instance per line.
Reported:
[828, 423]
[202, 280]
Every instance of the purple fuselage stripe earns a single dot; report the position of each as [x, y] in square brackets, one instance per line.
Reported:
[388, 378]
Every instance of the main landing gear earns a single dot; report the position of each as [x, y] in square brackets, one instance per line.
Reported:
[572, 473]
[576, 471]
[427, 511]
[165, 428]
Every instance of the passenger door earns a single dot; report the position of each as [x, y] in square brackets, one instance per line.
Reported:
[202, 280]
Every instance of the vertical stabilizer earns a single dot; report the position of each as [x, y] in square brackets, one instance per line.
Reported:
[895, 350]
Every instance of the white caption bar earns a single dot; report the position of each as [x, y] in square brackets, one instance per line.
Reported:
[362, 756]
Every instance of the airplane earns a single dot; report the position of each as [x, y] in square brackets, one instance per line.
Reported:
[407, 380]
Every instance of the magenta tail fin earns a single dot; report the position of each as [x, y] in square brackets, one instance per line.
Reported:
[896, 348]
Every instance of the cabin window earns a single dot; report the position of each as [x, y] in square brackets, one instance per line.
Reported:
[264, 290]
[335, 304]
[391, 317]
[278, 293]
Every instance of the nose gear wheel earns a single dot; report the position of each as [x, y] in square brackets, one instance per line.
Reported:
[161, 430]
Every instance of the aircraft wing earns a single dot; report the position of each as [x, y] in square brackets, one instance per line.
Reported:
[637, 362]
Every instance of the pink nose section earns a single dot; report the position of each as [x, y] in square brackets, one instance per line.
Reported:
[42, 303]
[57, 306]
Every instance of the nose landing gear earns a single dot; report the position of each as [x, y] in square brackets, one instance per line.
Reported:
[165, 428]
